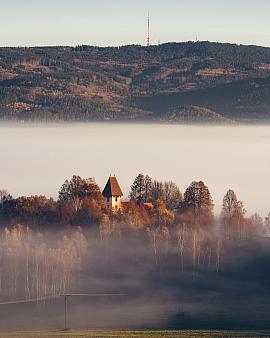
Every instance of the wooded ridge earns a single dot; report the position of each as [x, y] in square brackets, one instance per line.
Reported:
[87, 83]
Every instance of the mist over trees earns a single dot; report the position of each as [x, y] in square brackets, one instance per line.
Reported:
[180, 226]
[32, 267]
[160, 239]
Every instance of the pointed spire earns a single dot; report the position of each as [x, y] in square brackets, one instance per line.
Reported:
[112, 188]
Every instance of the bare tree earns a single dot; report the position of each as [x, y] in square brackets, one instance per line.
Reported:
[141, 189]
[31, 268]
[148, 188]
[157, 191]
[181, 238]
[168, 192]
[257, 224]
[172, 195]
[233, 213]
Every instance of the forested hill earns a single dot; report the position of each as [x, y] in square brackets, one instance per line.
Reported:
[86, 83]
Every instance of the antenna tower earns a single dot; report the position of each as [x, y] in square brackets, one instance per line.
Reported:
[148, 30]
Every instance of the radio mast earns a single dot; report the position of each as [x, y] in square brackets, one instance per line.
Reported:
[148, 30]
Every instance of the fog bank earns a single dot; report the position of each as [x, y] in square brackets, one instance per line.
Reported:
[36, 159]
[215, 282]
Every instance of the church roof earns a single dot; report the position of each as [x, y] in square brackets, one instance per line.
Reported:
[112, 188]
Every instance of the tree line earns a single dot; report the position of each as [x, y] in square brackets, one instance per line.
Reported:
[175, 229]
[151, 203]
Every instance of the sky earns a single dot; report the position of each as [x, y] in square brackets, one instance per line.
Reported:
[121, 22]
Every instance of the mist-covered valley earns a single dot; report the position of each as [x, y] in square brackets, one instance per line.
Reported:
[193, 277]
[197, 259]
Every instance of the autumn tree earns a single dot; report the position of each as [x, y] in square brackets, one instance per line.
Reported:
[80, 201]
[89, 213]
[66, 212]
[73, 196]
[35, 210]
[78, 189]
[198, 202]
[162, 216]
[134, 216]
[141, 189]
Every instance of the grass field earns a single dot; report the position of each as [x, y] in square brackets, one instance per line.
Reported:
[136, 334]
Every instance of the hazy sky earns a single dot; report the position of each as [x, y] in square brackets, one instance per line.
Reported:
[41, 157]
[117, 22]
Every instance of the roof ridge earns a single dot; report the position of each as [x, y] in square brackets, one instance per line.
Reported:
[112, 188]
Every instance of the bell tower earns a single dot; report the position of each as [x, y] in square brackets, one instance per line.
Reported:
[113, 194]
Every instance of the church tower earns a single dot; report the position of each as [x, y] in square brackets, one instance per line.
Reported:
[113, 194]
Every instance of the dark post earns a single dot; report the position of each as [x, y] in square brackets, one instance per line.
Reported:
[66, 304]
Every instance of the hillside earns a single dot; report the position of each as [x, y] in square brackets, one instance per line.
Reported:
[134, 82]
[192, 114]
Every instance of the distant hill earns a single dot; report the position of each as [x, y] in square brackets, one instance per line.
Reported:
[89, 83]
[192, 114]
[244, 100]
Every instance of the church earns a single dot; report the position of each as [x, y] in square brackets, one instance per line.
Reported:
[113, 194]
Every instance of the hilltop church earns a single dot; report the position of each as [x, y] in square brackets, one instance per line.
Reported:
[113, 194]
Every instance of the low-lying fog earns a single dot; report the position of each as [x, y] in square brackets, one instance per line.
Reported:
[36, 159]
